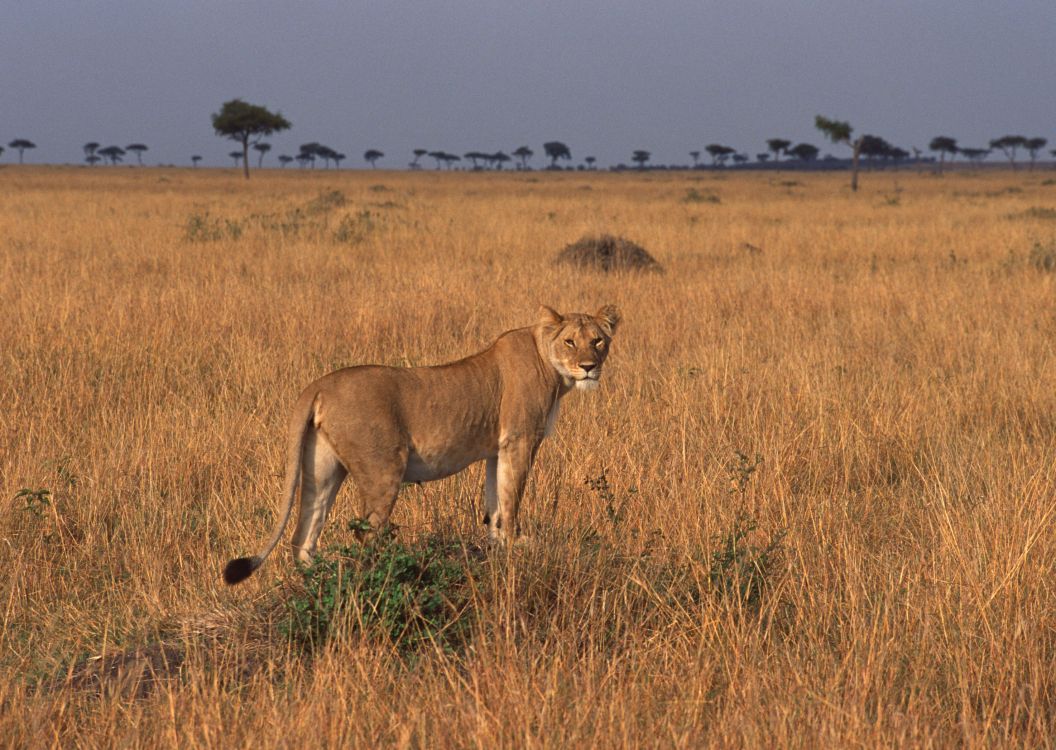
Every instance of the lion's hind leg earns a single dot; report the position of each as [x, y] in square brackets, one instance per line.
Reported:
[321, 476]
[378, 482]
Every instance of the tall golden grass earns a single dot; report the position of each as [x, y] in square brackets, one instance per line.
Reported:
[890, 356]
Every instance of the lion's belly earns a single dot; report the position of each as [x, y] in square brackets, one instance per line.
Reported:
[429, 467]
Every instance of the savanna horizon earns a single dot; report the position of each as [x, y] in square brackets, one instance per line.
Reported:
[864, 384]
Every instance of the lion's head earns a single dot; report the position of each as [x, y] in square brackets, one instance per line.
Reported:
[577, 344]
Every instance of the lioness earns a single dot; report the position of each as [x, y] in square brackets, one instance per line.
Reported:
[387, 425]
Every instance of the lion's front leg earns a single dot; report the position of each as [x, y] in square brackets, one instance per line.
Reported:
[512, 466]
[491, 490]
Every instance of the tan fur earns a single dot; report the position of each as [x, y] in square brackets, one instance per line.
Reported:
[389, 425]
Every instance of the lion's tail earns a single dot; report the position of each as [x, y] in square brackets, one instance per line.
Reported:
[241, 568]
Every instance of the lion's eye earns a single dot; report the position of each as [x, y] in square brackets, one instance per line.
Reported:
[570, 343]
[597, 343]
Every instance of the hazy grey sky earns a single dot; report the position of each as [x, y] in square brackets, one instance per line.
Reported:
[605, 77]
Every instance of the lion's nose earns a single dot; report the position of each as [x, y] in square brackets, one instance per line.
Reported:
[587, 366]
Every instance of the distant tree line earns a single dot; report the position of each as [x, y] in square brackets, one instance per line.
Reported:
[248, 124]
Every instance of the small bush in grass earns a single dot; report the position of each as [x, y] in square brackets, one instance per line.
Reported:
[739, 568]
[411, 594]
[1043, 257]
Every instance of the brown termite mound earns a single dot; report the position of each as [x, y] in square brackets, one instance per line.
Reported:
[607, 253]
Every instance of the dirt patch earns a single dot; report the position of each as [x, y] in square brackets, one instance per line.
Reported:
[133, 673]
[608, 253]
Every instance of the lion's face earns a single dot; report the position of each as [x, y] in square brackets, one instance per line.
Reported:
[578, 344]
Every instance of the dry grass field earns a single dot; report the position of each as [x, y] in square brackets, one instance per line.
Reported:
[813, 503]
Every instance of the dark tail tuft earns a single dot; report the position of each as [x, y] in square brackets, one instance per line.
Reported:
[240, 569]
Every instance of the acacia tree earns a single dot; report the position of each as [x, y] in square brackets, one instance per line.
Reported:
[778, 146]
[943, 144]
[696, 158]
[137, 149]
[195, 159]
[20, 145]
[285, 159]
[590, 162]
[804, 152]
[310, 151]
[372, 155]
[498, 159]
[237, 156]
[1, 150]
[327, 154]
[113, 153]
[975, 155]
[640, 157]
[556, 150]
[523, 154]
[418, 154]
[1033, 146]
[718, 153]
[1009, 144]
[839, 131]
[438, 156]
[89, 152]
[261, 148]
[474, 156]
[247, 123]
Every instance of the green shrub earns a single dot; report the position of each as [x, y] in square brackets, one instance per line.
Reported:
[412, 595]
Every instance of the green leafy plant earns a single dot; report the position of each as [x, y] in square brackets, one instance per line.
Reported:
[600, 486]
[412, 595]
[739, 568]
[34, 501]
[741, 471]
[1043, 257]
[354, 229]
[695, 196]
[203, 228]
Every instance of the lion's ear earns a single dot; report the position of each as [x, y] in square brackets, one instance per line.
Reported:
[548, 316]
[608, 317]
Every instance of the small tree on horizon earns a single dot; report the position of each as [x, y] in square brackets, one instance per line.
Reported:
[523, 154]
[943, 144]
[778, 146]
[89, 151]
[718, 153]
[247, 123]
[372, 156]
[804, 152]
[556, 150]
[696, 158]
[113, 153]
[640, 157]
[237, 156]
[1033, 146]
[261, 148]
[975, 155]
[20, 145]
[590, 160]
[1008, 144]
[137, 149]
[839, 131]
[285, 159]
[195, 159]
[418, 154]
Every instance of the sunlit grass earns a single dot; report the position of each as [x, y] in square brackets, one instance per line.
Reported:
[856, 392]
